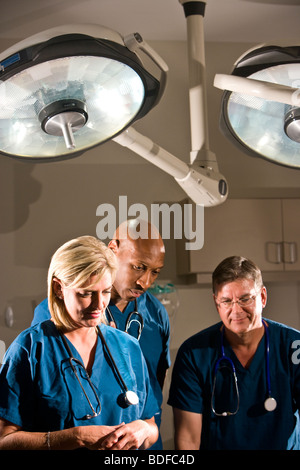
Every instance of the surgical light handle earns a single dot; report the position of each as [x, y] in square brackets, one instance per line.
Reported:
[135, 42]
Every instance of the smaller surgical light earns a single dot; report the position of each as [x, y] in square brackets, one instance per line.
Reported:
[260, 111]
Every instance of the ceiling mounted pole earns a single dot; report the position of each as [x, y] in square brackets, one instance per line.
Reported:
[200, 153]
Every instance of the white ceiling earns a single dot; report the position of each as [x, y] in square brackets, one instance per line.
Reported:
[225, 20]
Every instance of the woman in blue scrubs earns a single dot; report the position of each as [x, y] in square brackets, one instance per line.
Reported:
[236, 384]
[72, 381]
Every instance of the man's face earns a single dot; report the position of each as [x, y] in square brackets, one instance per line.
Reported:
[139, 263]
[237, 318]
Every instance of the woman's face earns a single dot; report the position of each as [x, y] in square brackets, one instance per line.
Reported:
[86, 304]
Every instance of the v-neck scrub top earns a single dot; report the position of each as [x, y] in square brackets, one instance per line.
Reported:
[39, 391]
[154, 340]
[252, 427]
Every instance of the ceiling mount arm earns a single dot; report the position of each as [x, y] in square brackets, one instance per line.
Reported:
[202, 185]
[152, 152]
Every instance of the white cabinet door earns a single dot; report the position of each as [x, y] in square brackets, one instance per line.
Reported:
[291, 234]
[246, 227]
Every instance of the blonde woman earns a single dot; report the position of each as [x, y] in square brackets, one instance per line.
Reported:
[72, 381]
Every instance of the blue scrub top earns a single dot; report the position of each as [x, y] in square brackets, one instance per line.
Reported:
[154, 340]
[253, 427]
[39, 390]
[155, 337]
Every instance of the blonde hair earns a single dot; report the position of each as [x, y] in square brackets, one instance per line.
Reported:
[73, 264]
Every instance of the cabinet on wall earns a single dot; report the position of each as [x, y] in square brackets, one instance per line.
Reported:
[264, 230]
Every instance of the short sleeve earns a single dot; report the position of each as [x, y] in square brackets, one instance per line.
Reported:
[186, 388]
[16, 388]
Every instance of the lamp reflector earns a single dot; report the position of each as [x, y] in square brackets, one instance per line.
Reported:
[73, 93]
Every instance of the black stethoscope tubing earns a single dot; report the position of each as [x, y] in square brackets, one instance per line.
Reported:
[130, 397]
[112, 359]
[224, 358]
[77, 361]
[140, 320]
[270, 403]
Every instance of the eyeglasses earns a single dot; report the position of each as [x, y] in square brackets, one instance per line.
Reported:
[242, 302]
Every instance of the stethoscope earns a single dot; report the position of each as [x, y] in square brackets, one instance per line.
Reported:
[133, 317]
[128, 397]
[270, 403]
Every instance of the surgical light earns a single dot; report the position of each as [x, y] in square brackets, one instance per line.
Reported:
[260, 109]
[69, 90]
[73, 87]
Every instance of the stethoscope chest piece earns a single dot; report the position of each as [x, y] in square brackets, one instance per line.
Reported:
[270, 404]
[131, 398]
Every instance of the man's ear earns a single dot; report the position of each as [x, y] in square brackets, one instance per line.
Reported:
[264, 296]
[114, 245]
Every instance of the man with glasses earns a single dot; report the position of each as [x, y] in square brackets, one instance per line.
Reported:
[236, 385]
[140, 253]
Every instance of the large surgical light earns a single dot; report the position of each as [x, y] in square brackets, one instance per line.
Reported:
[70, 88]
[260, 111]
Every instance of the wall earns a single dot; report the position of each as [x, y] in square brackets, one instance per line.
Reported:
[41, 206]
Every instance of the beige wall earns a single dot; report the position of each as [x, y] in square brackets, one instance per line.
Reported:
[41, 206]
